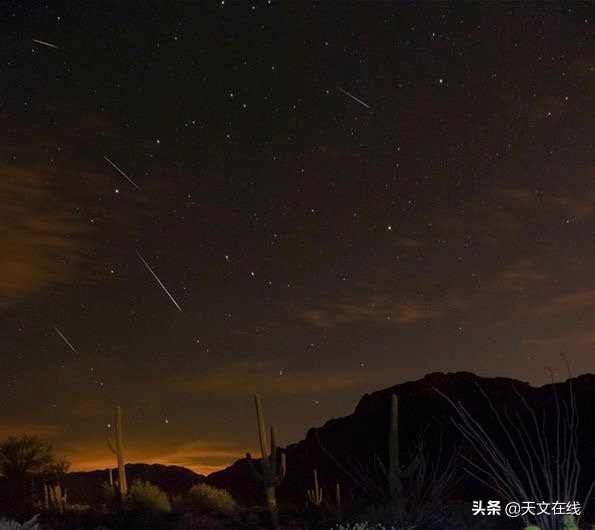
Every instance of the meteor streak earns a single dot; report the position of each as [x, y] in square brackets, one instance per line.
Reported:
[65, 340]
[158, 280]
[121, 172]
[45, 43]
[353, 97]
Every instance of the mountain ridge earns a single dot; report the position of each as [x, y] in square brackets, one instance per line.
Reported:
[364, 433]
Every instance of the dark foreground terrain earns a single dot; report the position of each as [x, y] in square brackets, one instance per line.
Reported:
[353, 452]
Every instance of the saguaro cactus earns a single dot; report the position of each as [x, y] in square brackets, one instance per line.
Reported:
[118, 450]
[273, 472]
[395, 473]
[316, 494]
[55, 497]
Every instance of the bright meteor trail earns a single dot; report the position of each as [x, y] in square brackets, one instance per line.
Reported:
[65, 340]
[45, 43]
[158, 280]
[353, 97]
[121, 172]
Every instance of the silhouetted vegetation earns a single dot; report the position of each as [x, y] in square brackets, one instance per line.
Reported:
[209, 499]
[411, 485]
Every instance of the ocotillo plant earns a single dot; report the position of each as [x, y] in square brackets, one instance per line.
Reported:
[273, 472]
[395, 473]
[118, 450]
[316, 494]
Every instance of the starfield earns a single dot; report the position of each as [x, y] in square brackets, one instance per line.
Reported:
[297, 265]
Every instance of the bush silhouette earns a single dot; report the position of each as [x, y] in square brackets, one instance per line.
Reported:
[205, 498]
[146, 496]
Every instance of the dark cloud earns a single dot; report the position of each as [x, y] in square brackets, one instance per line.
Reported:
[44, 240]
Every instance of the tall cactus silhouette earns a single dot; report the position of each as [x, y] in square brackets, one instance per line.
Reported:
[273, 472]
[396, 474]
[118, 450]
[55, 497]
[316, 494]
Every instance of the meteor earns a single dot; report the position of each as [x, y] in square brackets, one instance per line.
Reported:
[65, 340]
[353, 97]
[158, 280]
[45, 43]
[121, 172]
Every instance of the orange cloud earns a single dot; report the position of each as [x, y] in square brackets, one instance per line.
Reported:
[42, 241]
[519, 275]
[519, 196]
[569, 302]
[379, 308]
[15, 427]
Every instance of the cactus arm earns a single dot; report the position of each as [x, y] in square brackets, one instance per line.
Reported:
[394, 463]
[120, 449]
[273, 455]
[316, 494]
[110, 444]
[262, 435]
[282, 467]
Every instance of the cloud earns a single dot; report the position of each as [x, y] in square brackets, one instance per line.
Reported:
[241, 378]
[43, 242]
[16, 427]
[574, 204]
[519, 276]
[361, 307]
[409, 243]
[579, 300]
[51, 222]
[518, 196]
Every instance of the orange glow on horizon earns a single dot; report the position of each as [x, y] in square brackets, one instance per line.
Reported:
[202, 457]
[106, 463]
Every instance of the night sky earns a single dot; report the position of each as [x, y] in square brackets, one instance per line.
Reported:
[336, 198]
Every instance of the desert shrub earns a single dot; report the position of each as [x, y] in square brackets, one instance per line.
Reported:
[146, 496]
[177, 502]
[203, 497]
[108, 492]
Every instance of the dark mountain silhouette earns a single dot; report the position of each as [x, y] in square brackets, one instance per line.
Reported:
[363, 434]
[85, 486]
